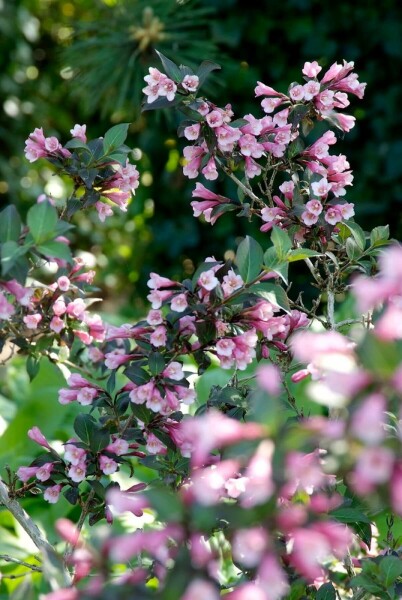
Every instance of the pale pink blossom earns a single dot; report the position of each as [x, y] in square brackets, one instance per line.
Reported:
[309, 218]
[231, 282]
[190, 83]
[74, 454]
[311, 89]
[214, 119]
[107, 465]
[269, 378]
[56, 324]
[260, 485]
[207, 280]
[209, 171]
[52, 493]
[155, 317]
[118, 447]
[32, 321]
[79, 131]
[272, 579]
[116, 358]
[103, 210]
[296, 93]
[37, 436]
[44, 472]
[154, 445]
[86, 395]
[311, 69]
[158, 337]
[321, 188]
[201, 589]
[192, 132]
[77, 472]
[368, 420]
[6, 308]
[269, 104]
[314, 207]
[179, 303]
[174, 371]
[333, 215]
[25, 473]
[248, 546]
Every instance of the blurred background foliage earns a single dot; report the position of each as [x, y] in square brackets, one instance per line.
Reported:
[65, 62]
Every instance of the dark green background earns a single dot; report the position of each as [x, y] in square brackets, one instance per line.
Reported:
[262, 40]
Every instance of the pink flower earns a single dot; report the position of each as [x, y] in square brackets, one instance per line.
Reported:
[37, 436]
[192, 132]
[174, 371]
[44, 471]
[201, 589]
[311, 69]
[214, 430]
[190, 83]
[207, 280]
[158, 337]
[333, 215]
[32, 321]
[231, 282]
[52, 493]
[309, 218]
[179, 303]
[155, 317]
[214, 118]
[79, 131]
[74, 454]
[56, 324]
[272, 579]
[116, 358]
[321, 188]
[314, 207]
[260, 485]
[63, 283]
[103, 210]
[125, 501]
[296, 93]
[77, 472]
[118, 447]
[269, 379]
[248, 545]
[86, 395]
[22, 294]
[6, 308]
[107, 465]
[368, 421]
[35, 145]
[25, 473]
[209, 171]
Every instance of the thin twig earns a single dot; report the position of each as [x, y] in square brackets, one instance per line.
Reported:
[81, 521]
[30, 528]
[20, 562]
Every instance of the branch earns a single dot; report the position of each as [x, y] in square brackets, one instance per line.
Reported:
[7, 558]
[32, 530]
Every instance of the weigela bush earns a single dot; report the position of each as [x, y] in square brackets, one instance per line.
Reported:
[254, 494]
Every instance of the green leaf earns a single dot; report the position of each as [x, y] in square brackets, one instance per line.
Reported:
[326, 592]
[379, 357]
[115, 137]
[171, 69]
[349, 515]
[205, 68]
[137, 375]
[10, 224]
[358, 234]
[379, 235]
[281, 241]
[33, 365]
[272, 292]
[99, 439]
[272, 263]
[301, 254]
[11, 252]
[84, 427]
[56, 250]
[156, 363]
[390, 569]
[42, 221]
[75, 143]
[367, 584]
[352, 249]
[119, 157]
[249, 259]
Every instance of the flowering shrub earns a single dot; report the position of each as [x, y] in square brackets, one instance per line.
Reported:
[253, 495]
